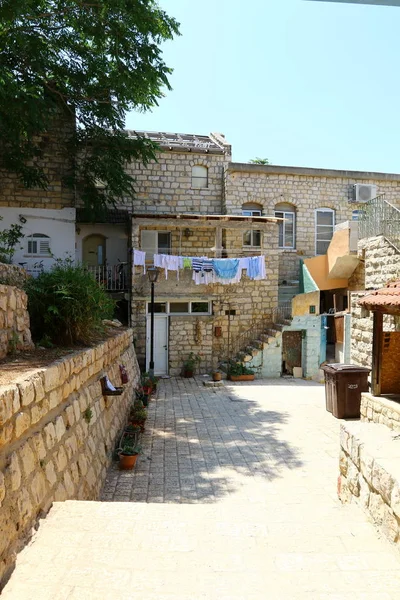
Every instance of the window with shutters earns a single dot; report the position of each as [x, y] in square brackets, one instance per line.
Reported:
[199, 176]
[38, 244]
[252, 237]
[324, 226]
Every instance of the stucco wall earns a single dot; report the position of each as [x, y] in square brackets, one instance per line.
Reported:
[57, 435]
[116, 238]
[58, 225]
[14, 320]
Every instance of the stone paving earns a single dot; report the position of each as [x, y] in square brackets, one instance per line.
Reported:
[234, 498]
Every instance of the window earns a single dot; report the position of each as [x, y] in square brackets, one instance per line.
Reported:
[180, 307]
[39, 245]
[324, 226]
[155, 242]
[286, 235]
[252, 237]
[199, 176]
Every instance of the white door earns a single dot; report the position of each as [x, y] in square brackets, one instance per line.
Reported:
[160, 344]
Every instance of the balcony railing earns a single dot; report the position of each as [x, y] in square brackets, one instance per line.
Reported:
[114, 278]
[379, 217]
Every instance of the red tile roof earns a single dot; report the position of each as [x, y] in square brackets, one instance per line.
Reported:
[385, 298]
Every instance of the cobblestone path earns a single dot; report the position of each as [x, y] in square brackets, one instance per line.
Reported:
[234, 498]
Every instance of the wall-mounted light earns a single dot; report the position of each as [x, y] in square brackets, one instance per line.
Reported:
[22, 219]
[187, 233]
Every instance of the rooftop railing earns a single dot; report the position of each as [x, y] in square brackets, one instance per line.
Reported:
[379, 217]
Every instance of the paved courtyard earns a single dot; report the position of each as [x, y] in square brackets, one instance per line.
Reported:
[234, 498]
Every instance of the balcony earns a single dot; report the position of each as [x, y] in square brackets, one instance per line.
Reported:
[114, 278]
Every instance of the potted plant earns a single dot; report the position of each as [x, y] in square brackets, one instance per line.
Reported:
[141, 397]
[128, 456]
[216, 376]
[147, 384]
[190, 364]
[138, 416]
[238, 372]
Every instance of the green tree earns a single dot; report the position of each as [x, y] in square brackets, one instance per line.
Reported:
[93, 59]
[259, 161]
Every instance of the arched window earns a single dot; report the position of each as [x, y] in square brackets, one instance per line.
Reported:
[199, 176]
[252, 237]
[38, 245]
[324, 226]
[287, 227]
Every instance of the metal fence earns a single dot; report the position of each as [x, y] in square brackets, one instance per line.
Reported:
[282, 313]
[244, 339]
[112, 277]
[379, 217]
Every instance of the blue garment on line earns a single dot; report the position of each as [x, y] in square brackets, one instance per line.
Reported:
[226, 268]
[254, 267]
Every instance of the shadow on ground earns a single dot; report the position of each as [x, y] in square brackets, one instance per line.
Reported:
[202, 444]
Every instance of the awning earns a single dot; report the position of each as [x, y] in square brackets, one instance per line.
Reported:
[385, 300]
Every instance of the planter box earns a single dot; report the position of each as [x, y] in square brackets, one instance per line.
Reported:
[241, 377]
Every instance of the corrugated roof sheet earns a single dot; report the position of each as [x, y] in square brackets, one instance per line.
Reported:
[384, 298]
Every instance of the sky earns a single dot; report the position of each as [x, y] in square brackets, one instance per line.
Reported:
[311, 84]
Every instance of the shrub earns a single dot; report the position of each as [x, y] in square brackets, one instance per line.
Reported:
[67, 305]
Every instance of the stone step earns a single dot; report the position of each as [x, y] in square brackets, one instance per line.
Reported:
[273, 332]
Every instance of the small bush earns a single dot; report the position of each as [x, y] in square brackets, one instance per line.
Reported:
[66, 305]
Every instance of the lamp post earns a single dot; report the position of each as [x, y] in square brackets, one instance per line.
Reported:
[152, 273]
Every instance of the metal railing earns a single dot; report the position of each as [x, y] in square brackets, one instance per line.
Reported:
[114, 278]
[244, 339]
[282, 313]
[379, 217]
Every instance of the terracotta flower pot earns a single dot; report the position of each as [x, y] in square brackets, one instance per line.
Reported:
[188, 373]
[127, 462]
[217, 376]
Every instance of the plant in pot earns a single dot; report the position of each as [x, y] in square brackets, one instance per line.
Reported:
[216, 375]
[190, 364]
[147, 384]
[130, 434]
[142, 399]
[138, 416]
[128, 456]
[238, 372]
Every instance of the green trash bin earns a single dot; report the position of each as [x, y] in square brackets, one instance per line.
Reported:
[343, 387]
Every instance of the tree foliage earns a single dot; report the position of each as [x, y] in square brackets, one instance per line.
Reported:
[259, 161]
[94, 60]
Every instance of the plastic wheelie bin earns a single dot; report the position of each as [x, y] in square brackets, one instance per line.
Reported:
[343, 387]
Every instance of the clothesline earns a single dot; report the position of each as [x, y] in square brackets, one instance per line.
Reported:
[206, 270]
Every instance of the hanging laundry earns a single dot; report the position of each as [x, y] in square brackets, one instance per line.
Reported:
[187, 262]
[197, 263]
[256, 269]
[139, 259]
[226, 268]
[167, 262]
[208, 266]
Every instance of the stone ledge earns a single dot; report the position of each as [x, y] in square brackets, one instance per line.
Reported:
[370, 473]
[380, 410]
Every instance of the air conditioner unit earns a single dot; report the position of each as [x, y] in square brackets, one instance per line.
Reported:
[363, 192]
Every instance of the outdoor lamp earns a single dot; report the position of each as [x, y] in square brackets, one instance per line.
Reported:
[152, 273]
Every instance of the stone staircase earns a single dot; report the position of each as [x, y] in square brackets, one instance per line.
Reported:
[252, 353]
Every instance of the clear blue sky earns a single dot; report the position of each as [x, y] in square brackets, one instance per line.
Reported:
[302, 83]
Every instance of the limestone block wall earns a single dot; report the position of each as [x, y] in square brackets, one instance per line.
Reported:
[368, 474]
[14, 320]
[57, 435]
[164, 185]
[382, 262]
[56, 166]
[306, 190]
[190, 334]
[12, 275]
[380, 410]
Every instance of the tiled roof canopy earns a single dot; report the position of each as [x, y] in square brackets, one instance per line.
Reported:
[386, 300]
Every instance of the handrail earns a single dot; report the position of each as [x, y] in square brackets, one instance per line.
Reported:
[250, 335]
[379, 217]
[281, 313]
[114, 278]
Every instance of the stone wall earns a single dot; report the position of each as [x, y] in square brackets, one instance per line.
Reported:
[14, 320]
[164, 185]
[12, 275]
[57, 435]
[56, 166]
[380, 410]
[382, 262]
[369, 456]
[249, 300]
[304, 189]
[190, 334]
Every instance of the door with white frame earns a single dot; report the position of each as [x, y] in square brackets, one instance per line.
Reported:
[160, 344]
